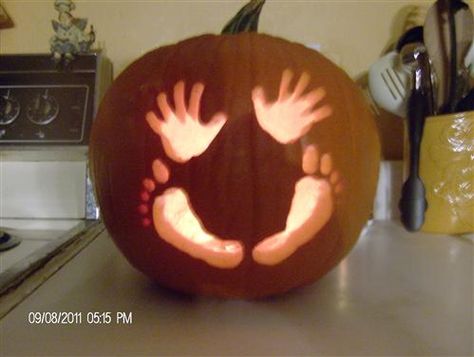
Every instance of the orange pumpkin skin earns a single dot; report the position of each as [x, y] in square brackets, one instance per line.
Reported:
[241, 186]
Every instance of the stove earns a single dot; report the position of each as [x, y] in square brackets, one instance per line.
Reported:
[46, 114]
[34, 235]
[43, 104]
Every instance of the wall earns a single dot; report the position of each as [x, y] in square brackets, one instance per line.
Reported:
[353, 33]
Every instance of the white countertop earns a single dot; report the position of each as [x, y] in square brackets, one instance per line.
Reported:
[395, 294]
[34, 234]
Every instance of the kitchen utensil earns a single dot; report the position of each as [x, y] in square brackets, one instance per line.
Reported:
[389, 78]
[411, 58]
[467, 103]
[464, 27]
[413, 35]
[469, 60]
[413, 203]
[452, 59]
[388, 81]
[448, 44]
[436, 42]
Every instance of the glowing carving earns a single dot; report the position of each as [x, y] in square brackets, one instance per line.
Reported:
[310, 159]
[181, 131]
[311, 208]
[177, 223]
[293, 114]
[184, 136]
[149, 184]
[160, 171]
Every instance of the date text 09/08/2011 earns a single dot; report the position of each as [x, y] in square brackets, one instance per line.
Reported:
[78, 318]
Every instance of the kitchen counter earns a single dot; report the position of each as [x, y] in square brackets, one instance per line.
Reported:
[396, 293]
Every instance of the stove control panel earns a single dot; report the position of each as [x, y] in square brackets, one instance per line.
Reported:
[43, 113]
[47, 104]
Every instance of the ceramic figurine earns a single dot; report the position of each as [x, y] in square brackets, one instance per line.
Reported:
[70, 37]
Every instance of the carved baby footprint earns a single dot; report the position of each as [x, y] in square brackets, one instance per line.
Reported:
[311, 208]
[161, 175]
[184, 136]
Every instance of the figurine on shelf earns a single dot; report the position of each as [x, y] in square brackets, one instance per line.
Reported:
[70, 37]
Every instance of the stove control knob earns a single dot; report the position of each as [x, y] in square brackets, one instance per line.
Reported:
[42, 109]
[9, 109]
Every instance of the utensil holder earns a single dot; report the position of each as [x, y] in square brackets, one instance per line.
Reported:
[447, 170]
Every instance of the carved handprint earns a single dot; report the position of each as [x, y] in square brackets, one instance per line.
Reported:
[182, 133]
[184, 136]
[293, 113]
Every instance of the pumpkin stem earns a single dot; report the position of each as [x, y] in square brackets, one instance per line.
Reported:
[246, 20]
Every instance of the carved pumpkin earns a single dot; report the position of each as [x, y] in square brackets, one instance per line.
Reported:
[234, 165]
